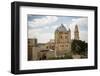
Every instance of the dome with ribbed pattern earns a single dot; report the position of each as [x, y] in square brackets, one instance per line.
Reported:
[62, 28]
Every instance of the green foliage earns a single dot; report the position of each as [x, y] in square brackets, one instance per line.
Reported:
[79, 47]
[66, 56]
[53, 58]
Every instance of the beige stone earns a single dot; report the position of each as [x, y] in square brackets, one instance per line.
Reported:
[57, 47]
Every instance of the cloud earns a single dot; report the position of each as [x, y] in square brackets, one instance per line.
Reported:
[81, 21]
[40, 22]
[33, 33]
[43, 34]
[43, 29]
[42, 37]
[83, 28]
[84, 35]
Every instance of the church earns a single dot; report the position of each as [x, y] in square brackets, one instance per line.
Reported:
[58, 47]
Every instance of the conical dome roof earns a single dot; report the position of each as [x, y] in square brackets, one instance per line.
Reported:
[76, 28]
[62, 28]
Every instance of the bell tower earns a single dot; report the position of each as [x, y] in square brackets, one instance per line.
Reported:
[76, 33]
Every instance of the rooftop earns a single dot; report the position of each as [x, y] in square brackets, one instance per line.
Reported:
[61, 28]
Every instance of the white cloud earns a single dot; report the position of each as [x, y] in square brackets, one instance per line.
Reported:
[81, 22]
[33, 33]
[44, 35]
[42, 21]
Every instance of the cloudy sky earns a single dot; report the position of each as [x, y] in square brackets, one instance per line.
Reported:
[43, 27]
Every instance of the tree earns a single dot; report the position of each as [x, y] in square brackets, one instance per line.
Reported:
[79, 47]
[68, 56]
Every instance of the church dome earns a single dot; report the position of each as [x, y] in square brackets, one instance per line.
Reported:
[62, 28]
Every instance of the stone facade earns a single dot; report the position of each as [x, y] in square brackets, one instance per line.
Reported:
[57, 47]
[62, 40]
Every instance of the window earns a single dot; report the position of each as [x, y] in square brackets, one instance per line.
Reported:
[66, 45]
[28, 42]
[62, 45]
[66, 37]
[61, 37]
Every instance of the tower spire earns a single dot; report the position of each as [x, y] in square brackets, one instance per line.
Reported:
[76, 33]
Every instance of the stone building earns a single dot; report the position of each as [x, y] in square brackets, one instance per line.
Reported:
[40, 51]
[57, 47]
[62, 40]
[32, 49]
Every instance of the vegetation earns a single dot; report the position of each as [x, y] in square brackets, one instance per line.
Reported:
[79, 47]
[66, 56]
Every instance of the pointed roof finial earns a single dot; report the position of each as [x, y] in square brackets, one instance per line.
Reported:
[76, 28]
[61, 28]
